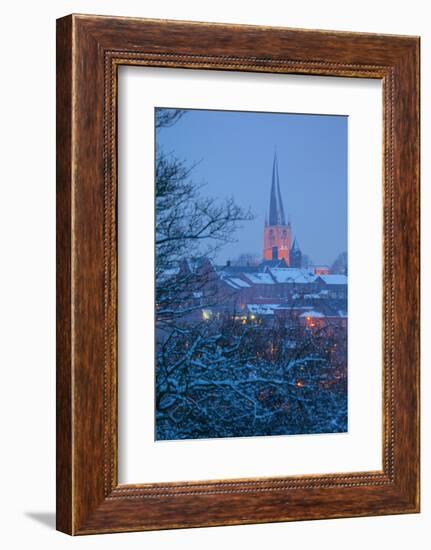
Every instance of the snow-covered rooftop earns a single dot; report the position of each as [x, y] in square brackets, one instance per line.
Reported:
[292, 275]
[234, 282]
[334, 279]
[262, 309]
[313, 314]
[259, 278]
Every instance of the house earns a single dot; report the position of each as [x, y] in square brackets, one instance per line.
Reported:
[336, 285]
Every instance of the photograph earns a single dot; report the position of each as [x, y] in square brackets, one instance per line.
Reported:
[251, 273]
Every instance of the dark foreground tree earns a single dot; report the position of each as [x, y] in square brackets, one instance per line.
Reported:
[189, 226]
[246, 381]
[247, 259]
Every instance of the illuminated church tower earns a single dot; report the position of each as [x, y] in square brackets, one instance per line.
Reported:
[277, 235]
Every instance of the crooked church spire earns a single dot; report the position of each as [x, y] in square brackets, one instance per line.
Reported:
[277, 233]
[276, 210]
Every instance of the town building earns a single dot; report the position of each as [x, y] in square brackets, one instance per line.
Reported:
[279, 250]
[277, 234]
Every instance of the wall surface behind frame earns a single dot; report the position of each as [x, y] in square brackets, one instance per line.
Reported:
[27, 219]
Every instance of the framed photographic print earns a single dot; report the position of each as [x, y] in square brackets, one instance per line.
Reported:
[237, 274]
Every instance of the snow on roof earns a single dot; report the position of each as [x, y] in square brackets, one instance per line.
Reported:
[259, 278]
[234, 282]
[313, 314]
[240, 282]
[334, 279]
[262, 309]
[292, 275]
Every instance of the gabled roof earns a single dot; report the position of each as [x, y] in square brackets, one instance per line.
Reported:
[259, 278]
[236, 283]
[334, 279]
[292, 275]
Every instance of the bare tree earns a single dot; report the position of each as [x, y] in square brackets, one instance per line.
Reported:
[190, 226]
[247, 381]
[306, 261]
[340, 264]
[246, 259]
[167, 117]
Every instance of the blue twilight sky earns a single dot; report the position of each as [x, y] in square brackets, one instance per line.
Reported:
[235, 152]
